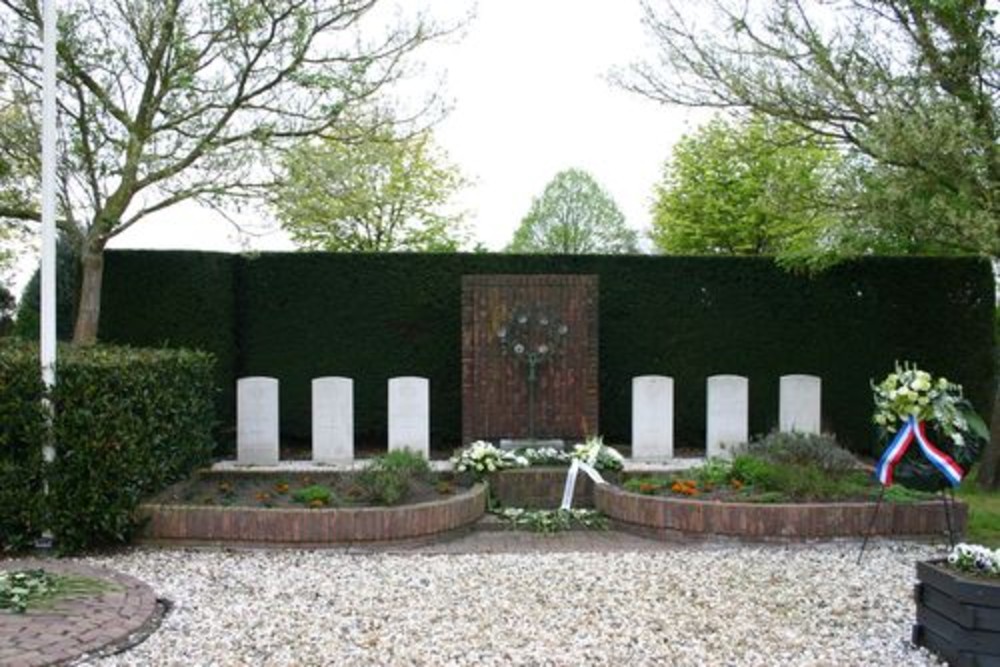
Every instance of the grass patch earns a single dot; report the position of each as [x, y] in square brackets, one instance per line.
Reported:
[984, 514]
[24, 590]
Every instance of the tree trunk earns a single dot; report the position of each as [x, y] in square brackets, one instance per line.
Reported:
[989, 468]
[89, 309]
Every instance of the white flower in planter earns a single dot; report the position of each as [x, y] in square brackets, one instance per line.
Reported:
[975, 558]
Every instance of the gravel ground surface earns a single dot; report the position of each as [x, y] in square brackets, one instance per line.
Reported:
[668, 605]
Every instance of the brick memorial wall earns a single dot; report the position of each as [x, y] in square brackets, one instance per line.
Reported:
[504, 319]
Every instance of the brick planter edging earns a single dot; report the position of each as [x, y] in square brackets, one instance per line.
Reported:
[76, 626]
[312, 526]
[664, 515]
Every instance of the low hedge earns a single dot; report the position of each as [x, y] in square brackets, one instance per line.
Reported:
[127, 423]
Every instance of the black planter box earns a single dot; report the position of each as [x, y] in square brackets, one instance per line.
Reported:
[958, 616]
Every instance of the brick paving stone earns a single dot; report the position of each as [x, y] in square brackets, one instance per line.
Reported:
[74, 626]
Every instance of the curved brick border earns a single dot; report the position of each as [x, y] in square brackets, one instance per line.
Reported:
[75, 626]
[663, 515]
[312, 526]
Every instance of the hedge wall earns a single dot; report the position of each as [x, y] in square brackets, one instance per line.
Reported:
[296, 316]
[127, 423]
[176, 299]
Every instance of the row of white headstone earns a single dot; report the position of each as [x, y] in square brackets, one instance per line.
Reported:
[257, 421]
[258, 433]
[727, 418]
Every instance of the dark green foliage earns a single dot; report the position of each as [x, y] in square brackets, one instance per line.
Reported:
[187, 301]
[821, 451]
[127, 423]
[374, 316]
[21, 422]
[8, 305]
[67, 291]
[386, 480]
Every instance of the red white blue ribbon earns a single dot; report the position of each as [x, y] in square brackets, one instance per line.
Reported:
[893, 454]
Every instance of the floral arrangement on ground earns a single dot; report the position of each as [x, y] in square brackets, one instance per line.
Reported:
[482, 458]
[552, 521]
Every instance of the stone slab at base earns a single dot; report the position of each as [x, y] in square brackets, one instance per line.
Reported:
[523, 443]
[631, 465]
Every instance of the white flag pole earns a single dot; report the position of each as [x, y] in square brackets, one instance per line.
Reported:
[48, 283]
[49, 158]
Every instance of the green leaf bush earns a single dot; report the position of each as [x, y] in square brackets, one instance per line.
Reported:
[386, 480]
[798, 449]
[127, 423]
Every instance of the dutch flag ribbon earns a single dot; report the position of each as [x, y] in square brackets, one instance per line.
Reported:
[893, 454]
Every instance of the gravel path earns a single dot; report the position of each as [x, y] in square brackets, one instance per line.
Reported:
[678, 605]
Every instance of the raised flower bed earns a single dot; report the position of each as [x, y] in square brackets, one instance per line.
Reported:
[395, 497]
[312, 526]
[958, 614]
[664, 516]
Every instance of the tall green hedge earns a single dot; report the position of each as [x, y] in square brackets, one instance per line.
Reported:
[187, 301]
[127, 422]
[297, 316]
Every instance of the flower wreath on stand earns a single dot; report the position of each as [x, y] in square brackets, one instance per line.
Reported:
[914, 408]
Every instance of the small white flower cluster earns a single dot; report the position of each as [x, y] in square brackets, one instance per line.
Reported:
[545, 455]
[975, 558]
[594, 452]
[482, 457]
[551, 521]
[911, 392]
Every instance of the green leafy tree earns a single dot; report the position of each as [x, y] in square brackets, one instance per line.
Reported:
[380, 194]
[574, 215]
[166, 101]
[908, 88]
[18, 162]
[757, 187]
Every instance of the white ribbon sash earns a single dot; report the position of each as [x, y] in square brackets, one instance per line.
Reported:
[574, 469]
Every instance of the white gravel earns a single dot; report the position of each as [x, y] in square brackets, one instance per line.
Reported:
[675, 605]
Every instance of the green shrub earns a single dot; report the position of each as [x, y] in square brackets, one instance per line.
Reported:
[127, 423]
[754, 471]
[807, 449]
[317, 494]
[386, 480]
[21, 421]
[799, 482]
[716, 472]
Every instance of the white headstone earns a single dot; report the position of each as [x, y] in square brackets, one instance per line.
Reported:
[799, 407]
[333, 420]
[728, 408]
[257, 421]
[410, 415]
[652, 418]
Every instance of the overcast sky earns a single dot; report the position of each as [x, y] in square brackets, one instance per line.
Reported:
[529, 97]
